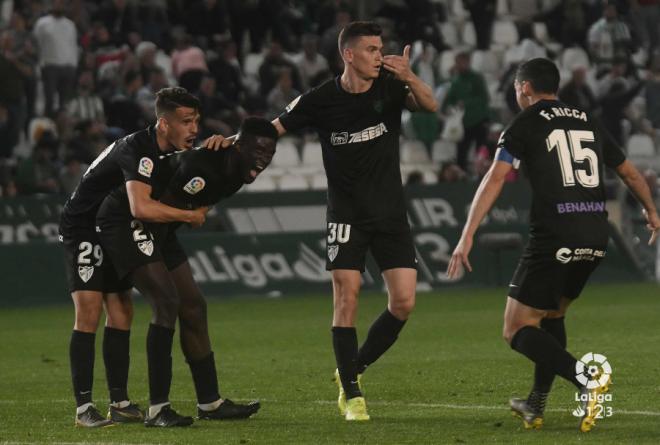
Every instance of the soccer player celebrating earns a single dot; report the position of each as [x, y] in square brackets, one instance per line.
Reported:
[152, 255]
[136, 161]
[562, 151]
[358, 118]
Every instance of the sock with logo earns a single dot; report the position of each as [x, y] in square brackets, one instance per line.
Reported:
[116, 345]
[544, 350]
[81, 359]
[159, 361]
[382, 335]
[344, 341]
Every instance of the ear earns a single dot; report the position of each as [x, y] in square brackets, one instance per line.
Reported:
[347, 55]
[527, 89]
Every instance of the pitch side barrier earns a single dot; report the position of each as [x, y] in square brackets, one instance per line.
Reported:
[273, 244]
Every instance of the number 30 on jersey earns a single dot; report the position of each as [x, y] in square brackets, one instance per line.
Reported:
[569, 149]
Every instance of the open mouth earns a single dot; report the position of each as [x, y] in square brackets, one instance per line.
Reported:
[190, 141]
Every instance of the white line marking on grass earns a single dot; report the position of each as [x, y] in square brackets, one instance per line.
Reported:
[371, 402]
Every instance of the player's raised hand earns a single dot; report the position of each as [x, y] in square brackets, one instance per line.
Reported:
[399, 65]
[459, 258]
[218, 141]
[653, 224]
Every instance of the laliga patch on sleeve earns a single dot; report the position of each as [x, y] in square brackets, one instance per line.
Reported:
[146, 167]
[293, 104]
[195, 185]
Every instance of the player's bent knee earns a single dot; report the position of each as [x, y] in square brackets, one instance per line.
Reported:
[193, 312]
[401, 309]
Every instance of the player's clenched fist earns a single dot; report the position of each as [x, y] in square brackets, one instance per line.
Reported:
[198, 216]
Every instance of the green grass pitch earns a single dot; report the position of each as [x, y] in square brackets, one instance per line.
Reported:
[447, 380]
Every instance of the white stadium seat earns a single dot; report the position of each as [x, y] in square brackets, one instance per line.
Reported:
[263, 183]
[574, 57]
[312, 154]
[414, 152]
[505, 33]
[286, 155]
[469, 35]
[640, 146]
[293, 182]
[449, 33]
[319, 181]
[443, 151]
[485, 62]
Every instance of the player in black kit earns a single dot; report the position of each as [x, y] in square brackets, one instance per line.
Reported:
[358, 118]
[563, 152]
[135, 161]
[202, 178]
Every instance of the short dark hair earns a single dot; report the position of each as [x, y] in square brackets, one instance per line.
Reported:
[169, 99]
[357, 29]
[541, 73]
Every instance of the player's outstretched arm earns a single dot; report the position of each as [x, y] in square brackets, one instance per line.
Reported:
[279, 127]
[638, 186]
[146, 209]
[421, 95]
[484, 198]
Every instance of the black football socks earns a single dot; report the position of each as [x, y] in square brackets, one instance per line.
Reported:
[344, 341]
[544, 350]
[159, 360]
[543, 377]
[81, 358]
[382, 335]
[205, 378]
[116, 347]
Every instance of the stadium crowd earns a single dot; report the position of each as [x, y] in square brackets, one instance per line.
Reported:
[76, 75]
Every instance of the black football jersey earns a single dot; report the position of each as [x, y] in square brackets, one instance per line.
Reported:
[562, 151]
[203, 178]
[135, 157]
[359, 135]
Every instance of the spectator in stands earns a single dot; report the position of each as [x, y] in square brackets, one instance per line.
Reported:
[615, 74]
[468, 90]
[70, 174]
[86, 105]
[12, 74]
[566, 22]
[614, 104]
[120, 17]
[328, 47]
[25, 51]
[146, 96]
[282, 94]
[482, 13]
[206, 19]
[214, 110]
[105, 49]
[58, 56]
[227, 72]
[188, 63]
[38, 173]
[269, 71]
[87, 142]
[425, 124]
[645, 15]
[652, 94]
[450, 172]
[609, 38]
[577, 91]
[313, 66]
[123, 110]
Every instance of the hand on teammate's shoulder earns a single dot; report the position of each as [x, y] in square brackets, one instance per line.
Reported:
[218, 142]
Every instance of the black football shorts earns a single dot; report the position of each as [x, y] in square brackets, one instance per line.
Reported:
[542, 278]
[88, 267]
[347, 247]
[132, 244]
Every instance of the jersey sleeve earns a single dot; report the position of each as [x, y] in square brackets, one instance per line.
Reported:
[299, 113]
[613, 155]
[136, 165]
[510, 147]
[398, 91]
